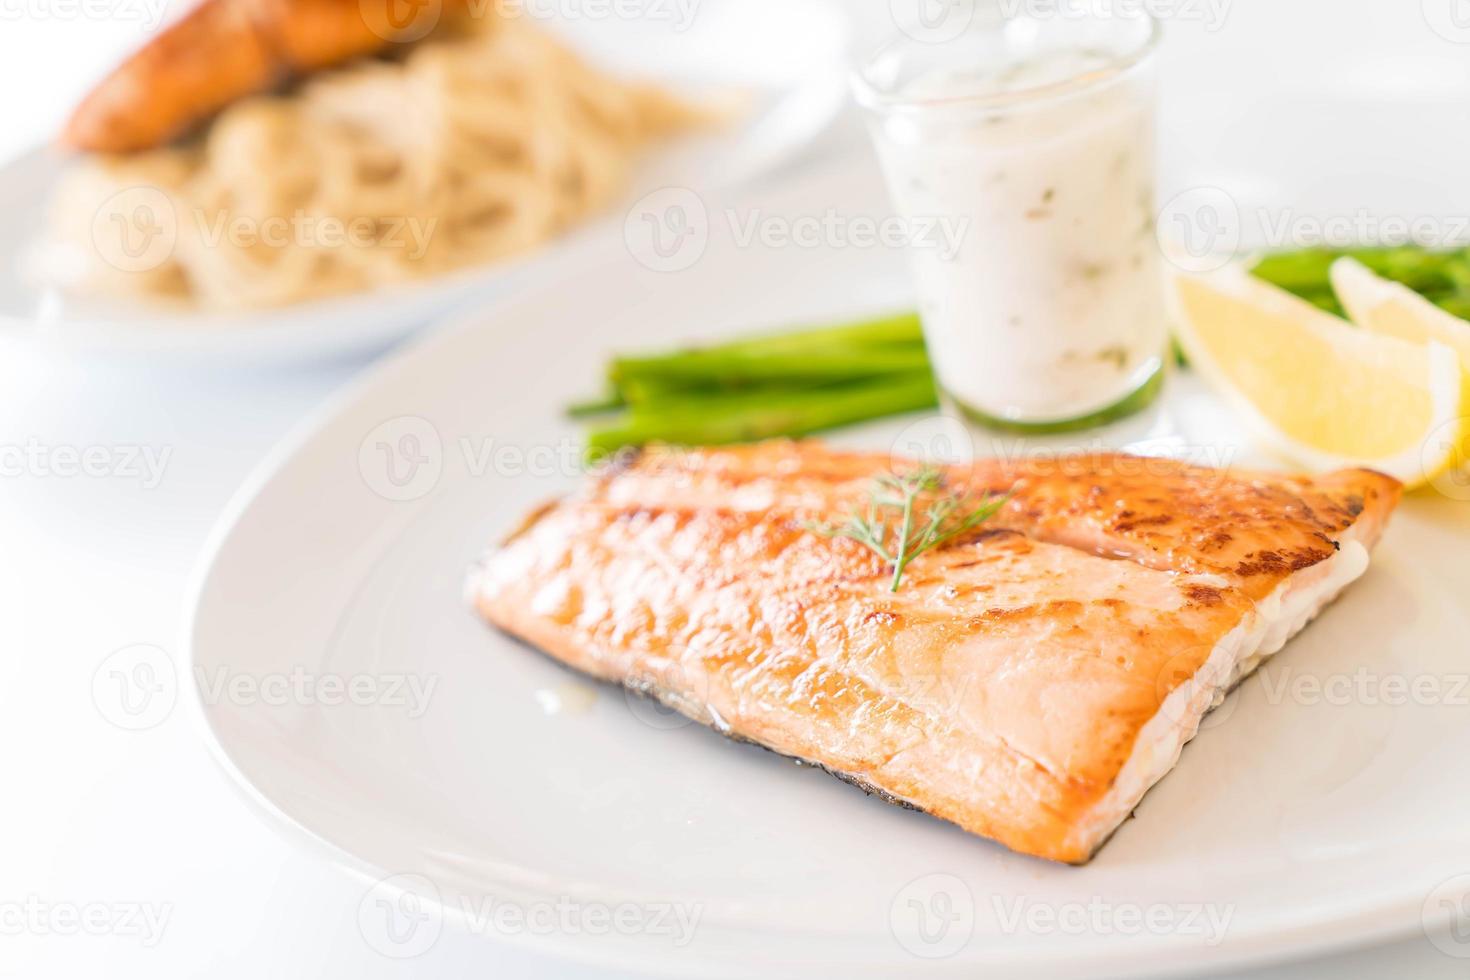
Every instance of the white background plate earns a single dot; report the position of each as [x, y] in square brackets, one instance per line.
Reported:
[793, 77]
[1308, 821]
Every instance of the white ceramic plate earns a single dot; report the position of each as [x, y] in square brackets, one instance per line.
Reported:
[793, 77]
[1294, 823]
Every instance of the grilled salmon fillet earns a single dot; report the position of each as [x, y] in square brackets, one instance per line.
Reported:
[1029, 681]
[223, 50]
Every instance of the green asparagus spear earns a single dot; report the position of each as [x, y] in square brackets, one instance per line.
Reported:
[1301, 272]
[601, 405]
[1306, 271]
[726, 368]
[1420, 269]
[744, 417]
[1458, 304]
[897, 329]
[827, 353]
[1325, 301]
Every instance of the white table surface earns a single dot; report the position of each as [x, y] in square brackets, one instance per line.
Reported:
[98, 817]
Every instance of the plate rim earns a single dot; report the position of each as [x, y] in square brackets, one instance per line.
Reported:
[1390, 918]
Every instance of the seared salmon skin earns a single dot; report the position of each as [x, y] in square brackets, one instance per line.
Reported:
[1029, 680]
[221, 51]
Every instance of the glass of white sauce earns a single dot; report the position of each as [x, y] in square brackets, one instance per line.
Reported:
[1030, 138]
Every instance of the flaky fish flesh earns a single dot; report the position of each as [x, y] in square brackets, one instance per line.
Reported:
[1029, 681]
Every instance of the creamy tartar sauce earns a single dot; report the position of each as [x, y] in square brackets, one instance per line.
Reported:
[1052, 307]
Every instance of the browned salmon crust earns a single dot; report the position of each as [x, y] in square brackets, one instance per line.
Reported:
[224, 50]
[1028, 683]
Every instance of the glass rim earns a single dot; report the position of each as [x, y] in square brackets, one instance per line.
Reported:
[870, 96]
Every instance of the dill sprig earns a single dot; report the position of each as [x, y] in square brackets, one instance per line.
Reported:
[910, 514]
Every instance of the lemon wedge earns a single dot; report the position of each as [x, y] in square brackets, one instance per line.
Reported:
[1320, 391]
[1393, 309]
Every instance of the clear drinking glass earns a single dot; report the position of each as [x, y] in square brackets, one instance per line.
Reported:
[1032, 136]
